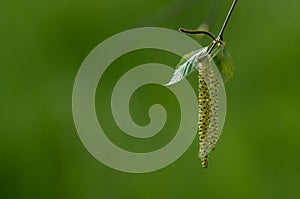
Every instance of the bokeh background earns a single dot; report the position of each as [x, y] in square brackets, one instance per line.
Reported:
[43, 43]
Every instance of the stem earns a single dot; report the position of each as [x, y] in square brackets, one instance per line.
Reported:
[212, 45]
[220, 36]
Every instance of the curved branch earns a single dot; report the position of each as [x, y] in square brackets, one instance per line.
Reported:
[198, 32]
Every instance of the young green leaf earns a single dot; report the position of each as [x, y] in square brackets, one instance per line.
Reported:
[188, 63]
[224, 62]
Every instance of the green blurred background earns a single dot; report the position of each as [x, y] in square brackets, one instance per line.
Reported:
[42, 44]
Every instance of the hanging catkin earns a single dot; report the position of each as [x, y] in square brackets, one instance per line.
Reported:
[208, 111]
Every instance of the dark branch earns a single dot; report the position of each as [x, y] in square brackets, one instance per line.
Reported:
[226, 20]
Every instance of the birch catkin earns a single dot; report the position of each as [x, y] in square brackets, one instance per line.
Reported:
[208, 111]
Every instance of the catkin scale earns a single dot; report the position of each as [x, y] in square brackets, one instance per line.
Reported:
[208, 111]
